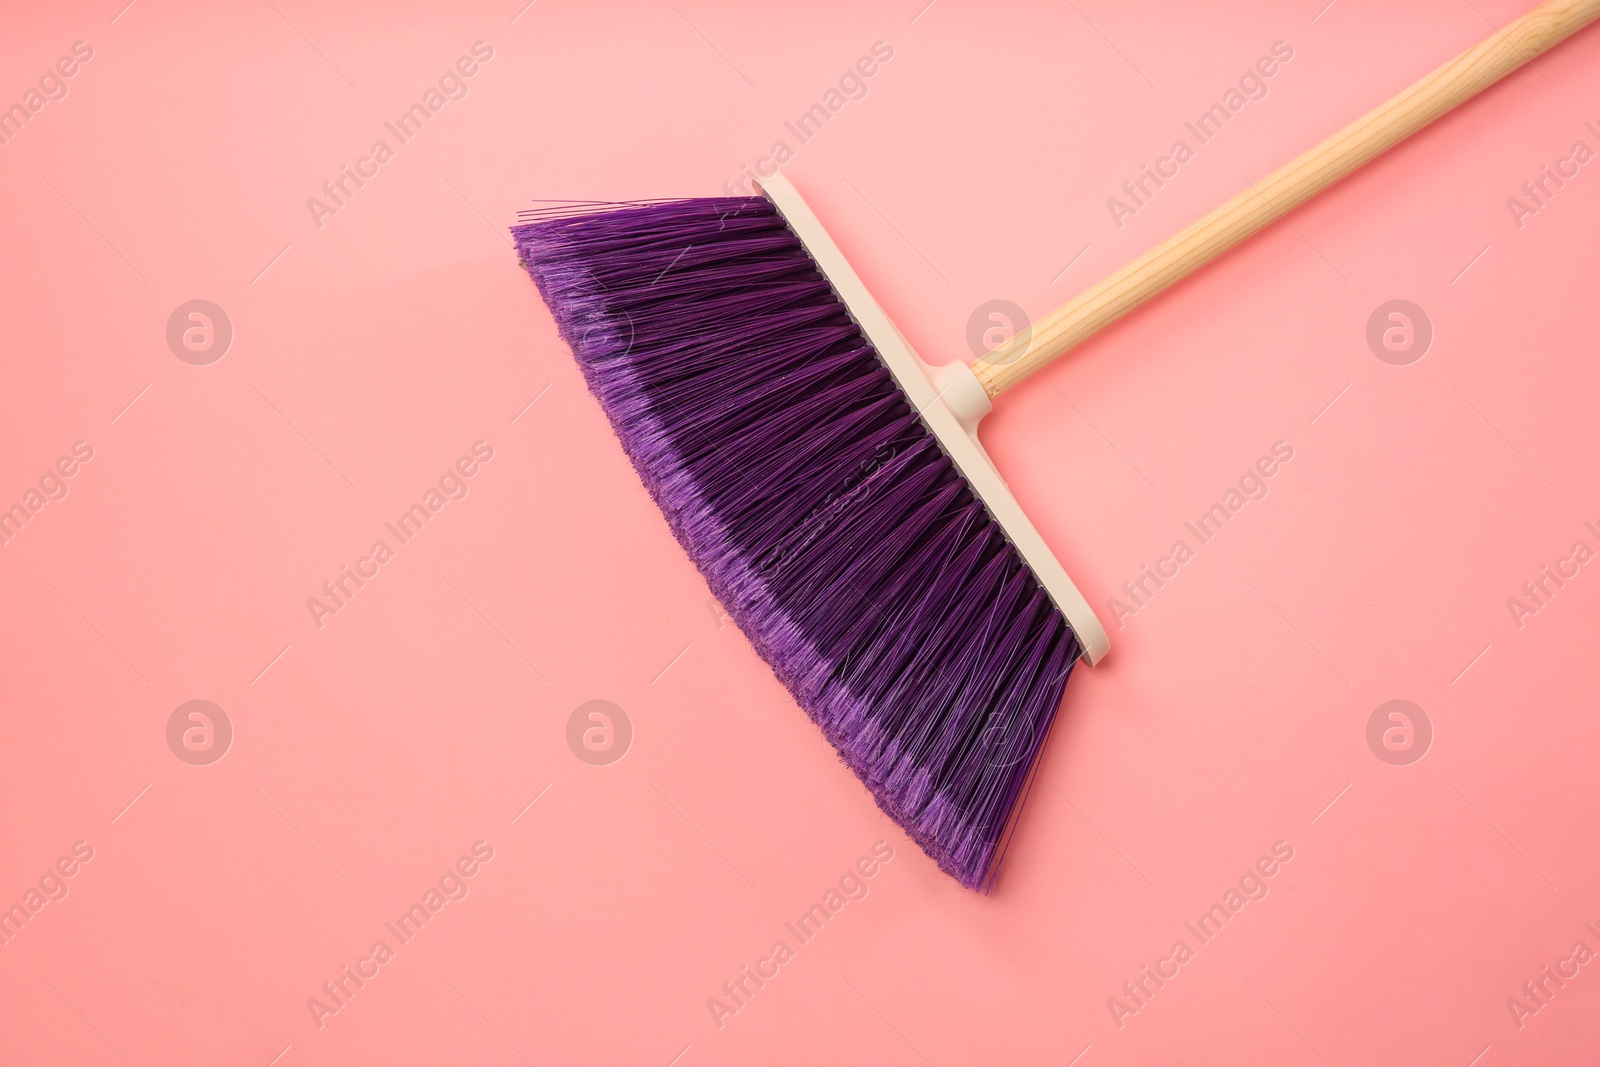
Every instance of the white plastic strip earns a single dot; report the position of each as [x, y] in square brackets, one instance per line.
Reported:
[951, 401]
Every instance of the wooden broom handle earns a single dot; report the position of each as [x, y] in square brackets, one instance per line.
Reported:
[1282, 191]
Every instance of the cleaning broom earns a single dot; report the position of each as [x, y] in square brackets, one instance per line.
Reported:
[830, 485]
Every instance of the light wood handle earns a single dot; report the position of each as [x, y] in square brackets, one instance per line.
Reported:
[1283, 190]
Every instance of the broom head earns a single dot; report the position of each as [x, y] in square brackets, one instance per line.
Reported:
[837, 526]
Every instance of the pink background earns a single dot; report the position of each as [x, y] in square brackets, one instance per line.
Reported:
[370, 353]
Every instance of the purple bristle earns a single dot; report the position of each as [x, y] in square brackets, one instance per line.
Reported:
[821, 510]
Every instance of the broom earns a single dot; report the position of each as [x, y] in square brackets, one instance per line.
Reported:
[830, 486]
